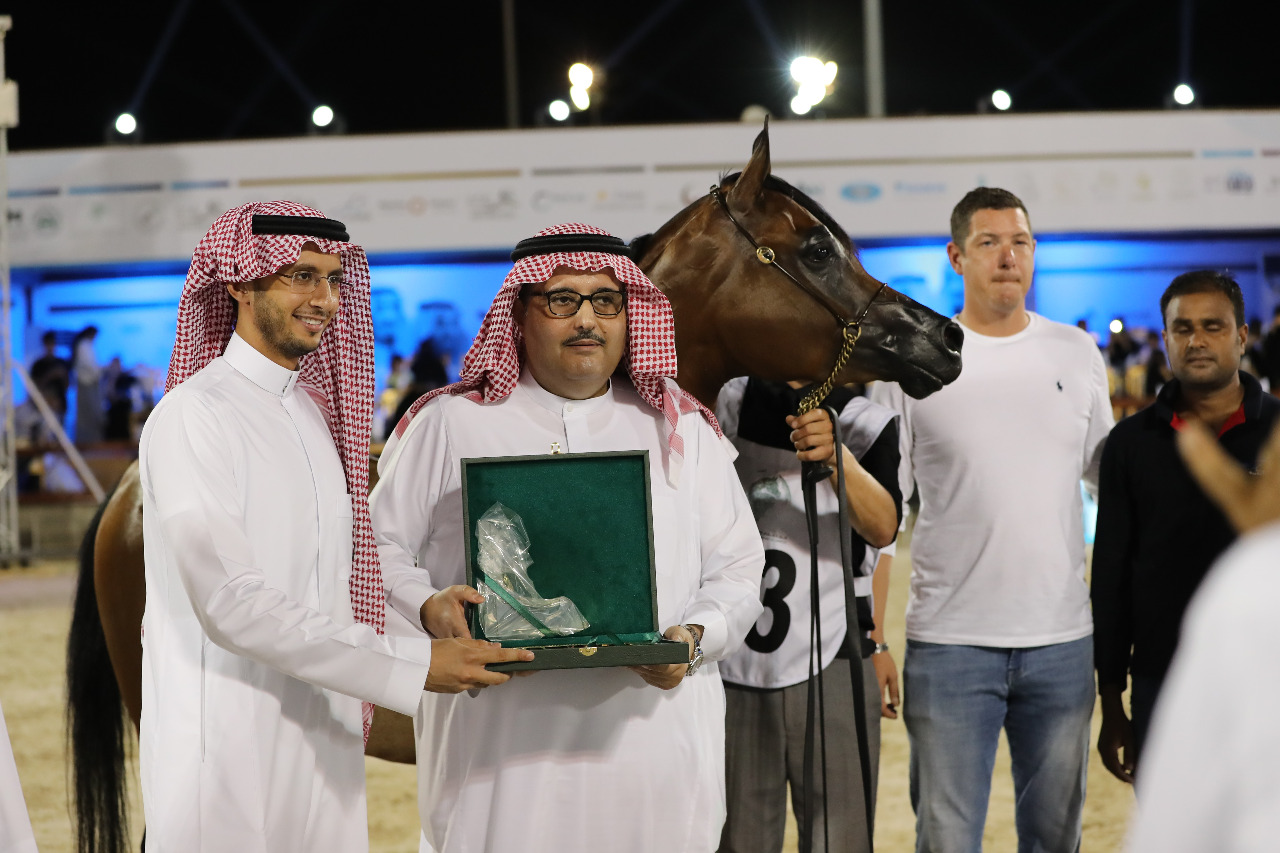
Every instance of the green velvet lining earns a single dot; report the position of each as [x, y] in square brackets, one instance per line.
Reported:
[590, 531]
[586, 639]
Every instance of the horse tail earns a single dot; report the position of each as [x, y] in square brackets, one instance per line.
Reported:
[95, 719]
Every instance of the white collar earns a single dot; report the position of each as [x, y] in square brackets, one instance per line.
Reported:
[273, 378]
[558, 405]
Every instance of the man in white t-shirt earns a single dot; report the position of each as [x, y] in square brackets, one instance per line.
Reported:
[999, 633]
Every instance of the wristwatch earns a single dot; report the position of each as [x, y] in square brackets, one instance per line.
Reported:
[696, 661]
[881, 648]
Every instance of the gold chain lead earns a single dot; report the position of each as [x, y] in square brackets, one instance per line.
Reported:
[850, 333]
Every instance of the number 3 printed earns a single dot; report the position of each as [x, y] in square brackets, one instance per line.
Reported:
[774, 601]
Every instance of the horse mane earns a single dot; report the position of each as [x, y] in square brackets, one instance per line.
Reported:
[778, 185]
[640, 245]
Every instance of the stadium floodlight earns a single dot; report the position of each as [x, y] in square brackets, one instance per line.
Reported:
[815, 79]
[1184, 94]
[559, 110]
[126, 124]
[1117, 326]
[581, 76]
[1001, 100]
[581, 99]
[322, 116]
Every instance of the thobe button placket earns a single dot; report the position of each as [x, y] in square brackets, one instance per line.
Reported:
[576, 433]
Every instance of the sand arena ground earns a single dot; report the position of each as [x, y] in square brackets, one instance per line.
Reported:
[35, 612]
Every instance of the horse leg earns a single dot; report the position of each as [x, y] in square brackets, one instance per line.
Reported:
[391, 737]
[120, 582]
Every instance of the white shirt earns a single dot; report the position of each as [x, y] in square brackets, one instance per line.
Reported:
[253, 664]
[15, 824]
[1209, 778]
[590, 759]
[998, 550]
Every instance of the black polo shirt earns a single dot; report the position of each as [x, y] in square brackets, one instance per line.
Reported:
[1158, 533]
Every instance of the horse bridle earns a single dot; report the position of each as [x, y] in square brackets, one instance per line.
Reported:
[850, 331]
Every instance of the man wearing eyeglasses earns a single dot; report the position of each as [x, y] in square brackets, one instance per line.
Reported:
[577, 353]
[264, 606]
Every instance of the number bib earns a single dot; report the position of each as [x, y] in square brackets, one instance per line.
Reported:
[776, 652]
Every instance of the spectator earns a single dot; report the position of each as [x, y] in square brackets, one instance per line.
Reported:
[89, 411]
[428, 374]
[1271, 354]
[1157, 366]
[51, 375]
[998, 624]
[1209, 782]
[1158, 533]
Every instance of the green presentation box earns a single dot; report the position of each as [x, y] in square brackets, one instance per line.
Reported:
[589, 518]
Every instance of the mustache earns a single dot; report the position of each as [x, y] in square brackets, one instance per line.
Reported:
[584, 335]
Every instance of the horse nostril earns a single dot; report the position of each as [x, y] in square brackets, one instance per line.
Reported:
[953, 337]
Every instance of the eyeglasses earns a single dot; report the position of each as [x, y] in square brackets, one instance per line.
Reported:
[567, 303]
[306, 281]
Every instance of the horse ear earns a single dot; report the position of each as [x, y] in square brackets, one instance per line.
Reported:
[745, 194]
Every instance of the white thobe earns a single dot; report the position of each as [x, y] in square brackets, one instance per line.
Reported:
[253, 664]
[590, 759]
[1209, 778]
[15, 824]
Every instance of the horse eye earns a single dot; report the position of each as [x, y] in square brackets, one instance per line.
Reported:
[819, 253]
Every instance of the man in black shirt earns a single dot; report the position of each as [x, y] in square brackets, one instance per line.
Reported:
[1158, 533]
[52, 375]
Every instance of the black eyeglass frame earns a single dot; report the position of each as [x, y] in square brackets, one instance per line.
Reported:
[581, 298]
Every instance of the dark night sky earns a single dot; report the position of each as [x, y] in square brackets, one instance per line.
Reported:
[400, 66]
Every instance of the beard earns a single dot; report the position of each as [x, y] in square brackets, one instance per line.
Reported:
[272, 322]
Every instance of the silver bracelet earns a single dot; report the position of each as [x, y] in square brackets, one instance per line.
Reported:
[881, 648]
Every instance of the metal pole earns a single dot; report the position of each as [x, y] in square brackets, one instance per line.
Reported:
[1184, 51]
[9, 544]
[509, 62]
[873, 48]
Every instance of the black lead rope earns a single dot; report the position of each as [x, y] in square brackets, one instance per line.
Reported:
[813, 473]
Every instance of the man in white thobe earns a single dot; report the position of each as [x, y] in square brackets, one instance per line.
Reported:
[1209, 779]
[15, 824]
[591, 759]
[262, 629]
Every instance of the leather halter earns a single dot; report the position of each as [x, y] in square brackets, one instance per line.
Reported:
[850, 331]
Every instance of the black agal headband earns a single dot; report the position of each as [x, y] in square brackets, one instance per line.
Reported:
[554, 243]
[305, 226]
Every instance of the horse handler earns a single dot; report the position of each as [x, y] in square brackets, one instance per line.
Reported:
[770, 683]
[265, 606]
[577, 350]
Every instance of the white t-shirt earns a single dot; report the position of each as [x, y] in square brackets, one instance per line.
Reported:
[997, 455]
[1209, 778]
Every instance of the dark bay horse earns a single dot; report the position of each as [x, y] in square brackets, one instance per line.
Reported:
[735, 315]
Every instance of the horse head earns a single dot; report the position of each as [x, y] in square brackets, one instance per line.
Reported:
[762, 282]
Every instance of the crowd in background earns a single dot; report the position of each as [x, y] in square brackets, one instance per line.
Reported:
[1137, 367]
[108, 404]
[111, 402]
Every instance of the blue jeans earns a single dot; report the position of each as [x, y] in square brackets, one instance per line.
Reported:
[957, 698]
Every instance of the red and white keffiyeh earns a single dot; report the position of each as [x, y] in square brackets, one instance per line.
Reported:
[340, 369]
[492, 365]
